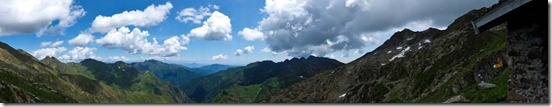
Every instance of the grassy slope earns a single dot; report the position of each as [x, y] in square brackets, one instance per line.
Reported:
[144, 88]
[265, 78]
[206, 88]
[32, 78]
[147, 89]
[247, 94]
[41, 92]
[445, 91]
[493, 95]
[238, 94]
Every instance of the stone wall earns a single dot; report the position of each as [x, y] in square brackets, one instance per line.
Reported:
[528, 52]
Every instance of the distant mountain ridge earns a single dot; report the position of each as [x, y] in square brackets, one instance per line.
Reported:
[24, 79]
[256, 80]
[192, 65]
[212, 68]
[174, 73]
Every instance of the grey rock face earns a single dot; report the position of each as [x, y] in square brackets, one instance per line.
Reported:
[484, 85]
[457, 99]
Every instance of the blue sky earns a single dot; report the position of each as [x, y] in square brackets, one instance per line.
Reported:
[340, 29]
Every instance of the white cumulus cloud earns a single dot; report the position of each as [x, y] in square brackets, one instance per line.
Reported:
[251, 34]
[45, 44]
[195, 15]
[118, 58]
[318, 27]
[266, 50]
[150, 16]
[220, 57]
[41, 53]
[81, 39]
[217, 27]
[38, 16]
[246, 50]
[136, 42]
[79, 53]
[249, 49]
[238, 52]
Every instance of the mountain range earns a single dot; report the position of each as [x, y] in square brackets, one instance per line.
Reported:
[28, 80]
[212, 68]
[256, 80]
[432, 66]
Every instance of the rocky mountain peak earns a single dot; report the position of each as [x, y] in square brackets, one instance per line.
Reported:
[50, 59]
[90, 60]
[153, 61]
[120, 63]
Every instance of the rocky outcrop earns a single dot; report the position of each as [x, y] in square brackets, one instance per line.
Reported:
[484, 85]
[13, 93]
[457, 99]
